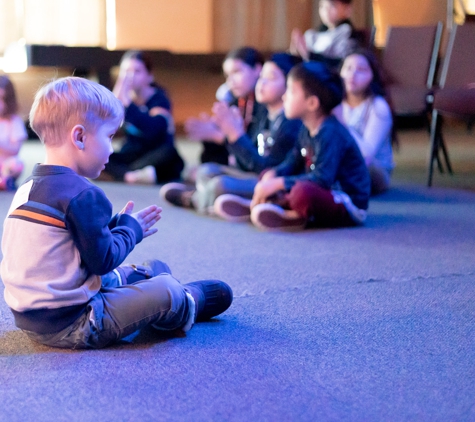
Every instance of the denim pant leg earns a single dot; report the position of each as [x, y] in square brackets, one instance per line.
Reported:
[111, 279]
[213, 180]
[114, 313]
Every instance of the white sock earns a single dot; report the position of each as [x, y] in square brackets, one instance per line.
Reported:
[147, 175]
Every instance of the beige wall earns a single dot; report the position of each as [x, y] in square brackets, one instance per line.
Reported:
[27, 83]
[183, 26]
[192, 26]
[406, 13]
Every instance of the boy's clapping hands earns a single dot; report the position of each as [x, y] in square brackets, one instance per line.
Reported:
[146, 217]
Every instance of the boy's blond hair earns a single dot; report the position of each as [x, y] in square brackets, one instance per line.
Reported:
[65, 102]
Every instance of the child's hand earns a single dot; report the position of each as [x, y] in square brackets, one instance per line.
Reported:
[122, 89]
[266, 188]
[297, 44]
[269, 174]
[146, 217]
[229, 120]
[204, 129]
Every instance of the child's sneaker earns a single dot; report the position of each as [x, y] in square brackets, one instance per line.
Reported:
[233, 208]
[178, 194]
[212, 297]
[273, 217]
[146, 176]
[131, 273]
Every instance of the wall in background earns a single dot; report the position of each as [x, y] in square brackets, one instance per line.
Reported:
[406, 13]
[184, 26]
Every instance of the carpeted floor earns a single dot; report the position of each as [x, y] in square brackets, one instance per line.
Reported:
[363, 324]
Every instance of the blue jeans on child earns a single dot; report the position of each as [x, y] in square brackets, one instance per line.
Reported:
[213, 180]
[117, 311]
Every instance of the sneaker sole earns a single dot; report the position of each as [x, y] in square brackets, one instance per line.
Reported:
[233, 208]
[169, 186]
[180, 187]
[270, 217]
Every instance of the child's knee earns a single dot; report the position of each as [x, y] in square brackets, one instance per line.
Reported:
[207, 171]
[169, 290]
[300, 197]
[217, 186]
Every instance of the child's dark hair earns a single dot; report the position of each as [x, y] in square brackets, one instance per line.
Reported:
[376, 86]
[317, 79]
[343, 1]
[141, 56]
[285, 61]
[248, 55]
[11, 105]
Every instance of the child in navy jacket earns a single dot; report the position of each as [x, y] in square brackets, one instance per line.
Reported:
[324, 180]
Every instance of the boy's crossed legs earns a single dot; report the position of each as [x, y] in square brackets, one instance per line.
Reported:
[307, 204]
[117, 310]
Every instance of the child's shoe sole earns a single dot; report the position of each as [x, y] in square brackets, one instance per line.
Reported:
[272, 217]
[233, 208]
[177, 194]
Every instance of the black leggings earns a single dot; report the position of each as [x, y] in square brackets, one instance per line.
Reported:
[165, 159]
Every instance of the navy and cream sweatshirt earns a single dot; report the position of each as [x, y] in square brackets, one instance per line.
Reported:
[58, 239]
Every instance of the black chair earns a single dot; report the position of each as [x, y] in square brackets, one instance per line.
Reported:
[455, 95]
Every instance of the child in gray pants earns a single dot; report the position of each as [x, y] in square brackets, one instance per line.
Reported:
[72, 292]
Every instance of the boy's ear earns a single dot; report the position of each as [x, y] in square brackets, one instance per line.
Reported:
[78, 136]
[313, 103]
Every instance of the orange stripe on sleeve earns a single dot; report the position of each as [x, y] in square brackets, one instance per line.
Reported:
[39, 217]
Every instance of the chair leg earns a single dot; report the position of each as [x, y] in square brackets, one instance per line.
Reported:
[433, 146]
[429, 126]
[442, 146]
[437, 156]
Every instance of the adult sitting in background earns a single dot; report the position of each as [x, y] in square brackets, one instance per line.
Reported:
[333, 40]
[367, 114]
[241, 67]
[148, 154]
[267, 146]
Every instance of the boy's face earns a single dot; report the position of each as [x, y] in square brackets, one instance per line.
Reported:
[240, 77]
[295, 101]
[332, 11]
[271, 84]
[97, 148]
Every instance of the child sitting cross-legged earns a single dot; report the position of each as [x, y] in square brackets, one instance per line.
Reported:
[273, 137]
[71, 292]
[12, 135]
[367, 114]
[323, 182]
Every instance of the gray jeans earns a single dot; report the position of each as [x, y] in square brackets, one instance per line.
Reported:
[213, 180]
[117, 311]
